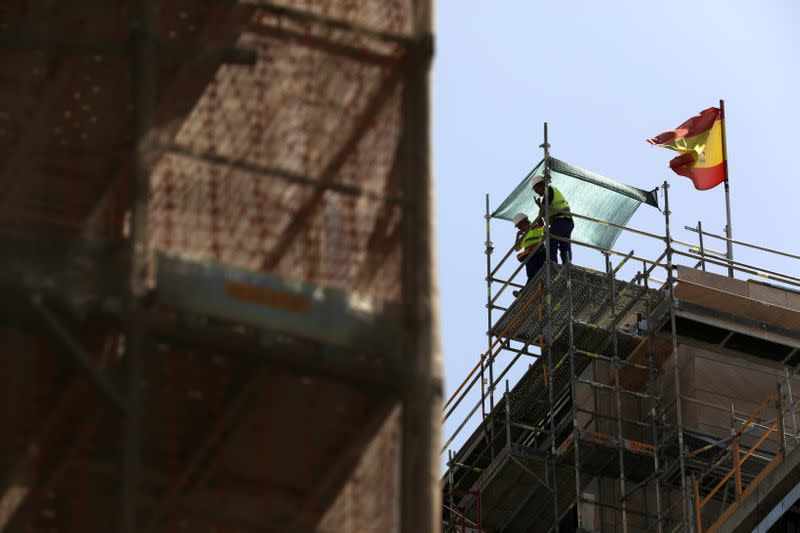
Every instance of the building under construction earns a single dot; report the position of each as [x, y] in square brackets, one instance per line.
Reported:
[655, 394]
[219, 308]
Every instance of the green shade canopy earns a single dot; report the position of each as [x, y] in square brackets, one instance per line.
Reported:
[588, 194]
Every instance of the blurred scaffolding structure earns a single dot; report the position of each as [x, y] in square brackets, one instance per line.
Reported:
[219, 308]
[650, 405]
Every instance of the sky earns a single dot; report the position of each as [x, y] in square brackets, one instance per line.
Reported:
[604, 79]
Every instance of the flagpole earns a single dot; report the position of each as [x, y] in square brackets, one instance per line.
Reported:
[728, 230]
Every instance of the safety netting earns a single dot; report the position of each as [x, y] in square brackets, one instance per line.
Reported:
[589, 194]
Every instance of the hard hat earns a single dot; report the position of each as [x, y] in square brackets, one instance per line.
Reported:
[519, 217]
[538, 178]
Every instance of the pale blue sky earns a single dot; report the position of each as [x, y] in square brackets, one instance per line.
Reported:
[605, 78]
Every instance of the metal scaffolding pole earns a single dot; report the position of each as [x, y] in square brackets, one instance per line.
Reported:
[687, 523]
[547, 327]
[728, 229]
[651, 381]
[576, 434]
[420, 508]
[656, 474]
[144, 75]
[791, 400]
[617, 395]
[450, 481]
[488, 250]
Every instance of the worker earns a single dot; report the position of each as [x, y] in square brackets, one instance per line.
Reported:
[561, 224]
[529, 236]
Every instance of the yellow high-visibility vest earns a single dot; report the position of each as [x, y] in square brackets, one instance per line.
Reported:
[530, 241]
[559, 203]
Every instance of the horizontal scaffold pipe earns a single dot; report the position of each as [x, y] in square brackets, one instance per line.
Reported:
[598, 414]
[697, 247]
[597, 503]
[694, 251]
[715, 406]
[611, 224]
[532, 429]
[612, 252]
[747, 244]
[748, 269]
[607, 387]
[464, 466]
[697, 451]
[505, 282]
[517, 350]
[622, 362]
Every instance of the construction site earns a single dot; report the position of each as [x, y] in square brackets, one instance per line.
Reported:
[214, 215]
[221, 308]
[658, 393]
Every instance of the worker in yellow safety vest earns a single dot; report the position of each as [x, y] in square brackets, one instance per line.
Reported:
[529, 237]
[561, 224]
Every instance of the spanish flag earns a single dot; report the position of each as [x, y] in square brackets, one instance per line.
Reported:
[700, 143]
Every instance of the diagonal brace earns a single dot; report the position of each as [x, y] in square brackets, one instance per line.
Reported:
[79, 355]
[531, 472]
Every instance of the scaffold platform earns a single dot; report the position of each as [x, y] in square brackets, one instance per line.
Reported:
[221, 340]
[507, 456]
[591, 303]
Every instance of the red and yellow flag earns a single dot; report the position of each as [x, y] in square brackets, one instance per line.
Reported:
[699, 141]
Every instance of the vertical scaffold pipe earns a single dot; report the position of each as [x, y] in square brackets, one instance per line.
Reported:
[779, 414]
[735, 455]
[507, 399]
[791, 400]
[144, 75]
[651, 379]
[576, 433]
[702, 249]
[687, 522]
[547, 326]
[488, 251]
[728, 228]
[450, 481]
[421, 395]
[617, 394]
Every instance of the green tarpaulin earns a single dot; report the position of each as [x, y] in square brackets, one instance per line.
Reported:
[588, 194]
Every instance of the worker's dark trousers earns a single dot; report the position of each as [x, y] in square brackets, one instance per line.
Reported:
[535, 264]
[563, 228]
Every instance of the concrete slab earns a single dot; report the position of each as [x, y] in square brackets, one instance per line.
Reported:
[714, 281]
[743, 305]
[765, 293]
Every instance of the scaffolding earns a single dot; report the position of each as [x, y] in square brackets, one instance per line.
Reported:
[213, 212]
[594, 428]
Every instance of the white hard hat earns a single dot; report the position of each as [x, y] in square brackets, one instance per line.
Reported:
[519, 217]
[538, 178]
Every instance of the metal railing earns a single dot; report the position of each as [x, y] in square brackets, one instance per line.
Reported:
[502, 341]
[738, 460]
[722, 259]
